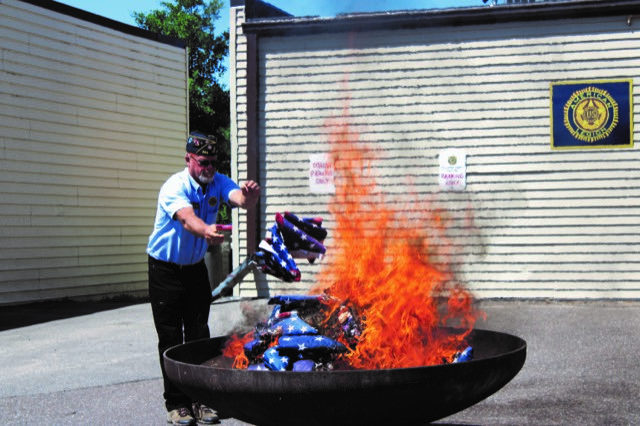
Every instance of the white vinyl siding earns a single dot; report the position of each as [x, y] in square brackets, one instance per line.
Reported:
[92, 122]
[532, 222]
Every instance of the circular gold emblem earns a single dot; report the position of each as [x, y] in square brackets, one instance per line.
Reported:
[453, 160]
[590, 114]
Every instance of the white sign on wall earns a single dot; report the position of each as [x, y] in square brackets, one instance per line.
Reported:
[321, 174]
[453, 170]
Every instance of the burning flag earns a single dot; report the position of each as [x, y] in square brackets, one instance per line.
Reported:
[287, 342]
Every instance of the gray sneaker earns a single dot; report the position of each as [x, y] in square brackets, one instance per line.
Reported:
[204, 414]
[180, 416]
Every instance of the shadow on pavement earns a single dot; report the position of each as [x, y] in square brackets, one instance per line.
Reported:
[16, 316]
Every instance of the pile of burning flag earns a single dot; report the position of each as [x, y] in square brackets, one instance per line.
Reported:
[305, 333]
[287, 340]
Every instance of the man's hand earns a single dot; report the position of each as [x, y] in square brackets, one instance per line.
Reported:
[248, 195]
[212, 236]
[197, 227]
[251, 191]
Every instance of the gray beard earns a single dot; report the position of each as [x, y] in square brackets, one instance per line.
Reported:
[205, 180]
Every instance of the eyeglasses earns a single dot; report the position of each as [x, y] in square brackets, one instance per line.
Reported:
[205, 163]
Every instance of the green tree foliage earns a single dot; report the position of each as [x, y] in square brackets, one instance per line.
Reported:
[192, 21]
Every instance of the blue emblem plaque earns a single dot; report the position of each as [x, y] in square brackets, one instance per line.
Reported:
[592, 114]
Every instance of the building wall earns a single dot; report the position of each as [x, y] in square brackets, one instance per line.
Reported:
[532, 222]
[92, 122]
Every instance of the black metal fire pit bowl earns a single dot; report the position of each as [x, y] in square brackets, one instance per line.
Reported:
[404, 396]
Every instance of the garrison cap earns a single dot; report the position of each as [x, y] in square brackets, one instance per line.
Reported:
[201, 144]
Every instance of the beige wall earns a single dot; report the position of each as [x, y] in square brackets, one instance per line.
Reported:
[92, 122]
[546, 224]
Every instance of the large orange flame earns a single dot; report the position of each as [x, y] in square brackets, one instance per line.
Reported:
[386, 262]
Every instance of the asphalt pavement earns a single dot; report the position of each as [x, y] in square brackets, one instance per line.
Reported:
[89, 363]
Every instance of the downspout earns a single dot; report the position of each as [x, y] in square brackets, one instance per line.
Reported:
[253, 163]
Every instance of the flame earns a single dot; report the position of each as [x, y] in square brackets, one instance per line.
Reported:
[388, 264]
[234, 348]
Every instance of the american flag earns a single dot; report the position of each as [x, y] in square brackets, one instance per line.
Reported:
[309, 346]
[274, 361]
[464, 356]
[304, 365]
[258, 367]
[291, 237]
[310, 225]
[291, 324]
[254, 348]
[296, 239]
[282, 252]
[271, 263]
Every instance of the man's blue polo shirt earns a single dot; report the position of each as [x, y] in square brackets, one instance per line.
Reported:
[169, 241]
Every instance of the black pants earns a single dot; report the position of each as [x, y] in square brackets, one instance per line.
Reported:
[180, 300]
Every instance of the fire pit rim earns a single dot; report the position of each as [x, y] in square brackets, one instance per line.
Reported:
[521, 346]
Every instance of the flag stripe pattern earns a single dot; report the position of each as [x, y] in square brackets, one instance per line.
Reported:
[291, 237]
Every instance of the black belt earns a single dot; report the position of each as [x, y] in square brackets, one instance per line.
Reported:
[172, 265]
